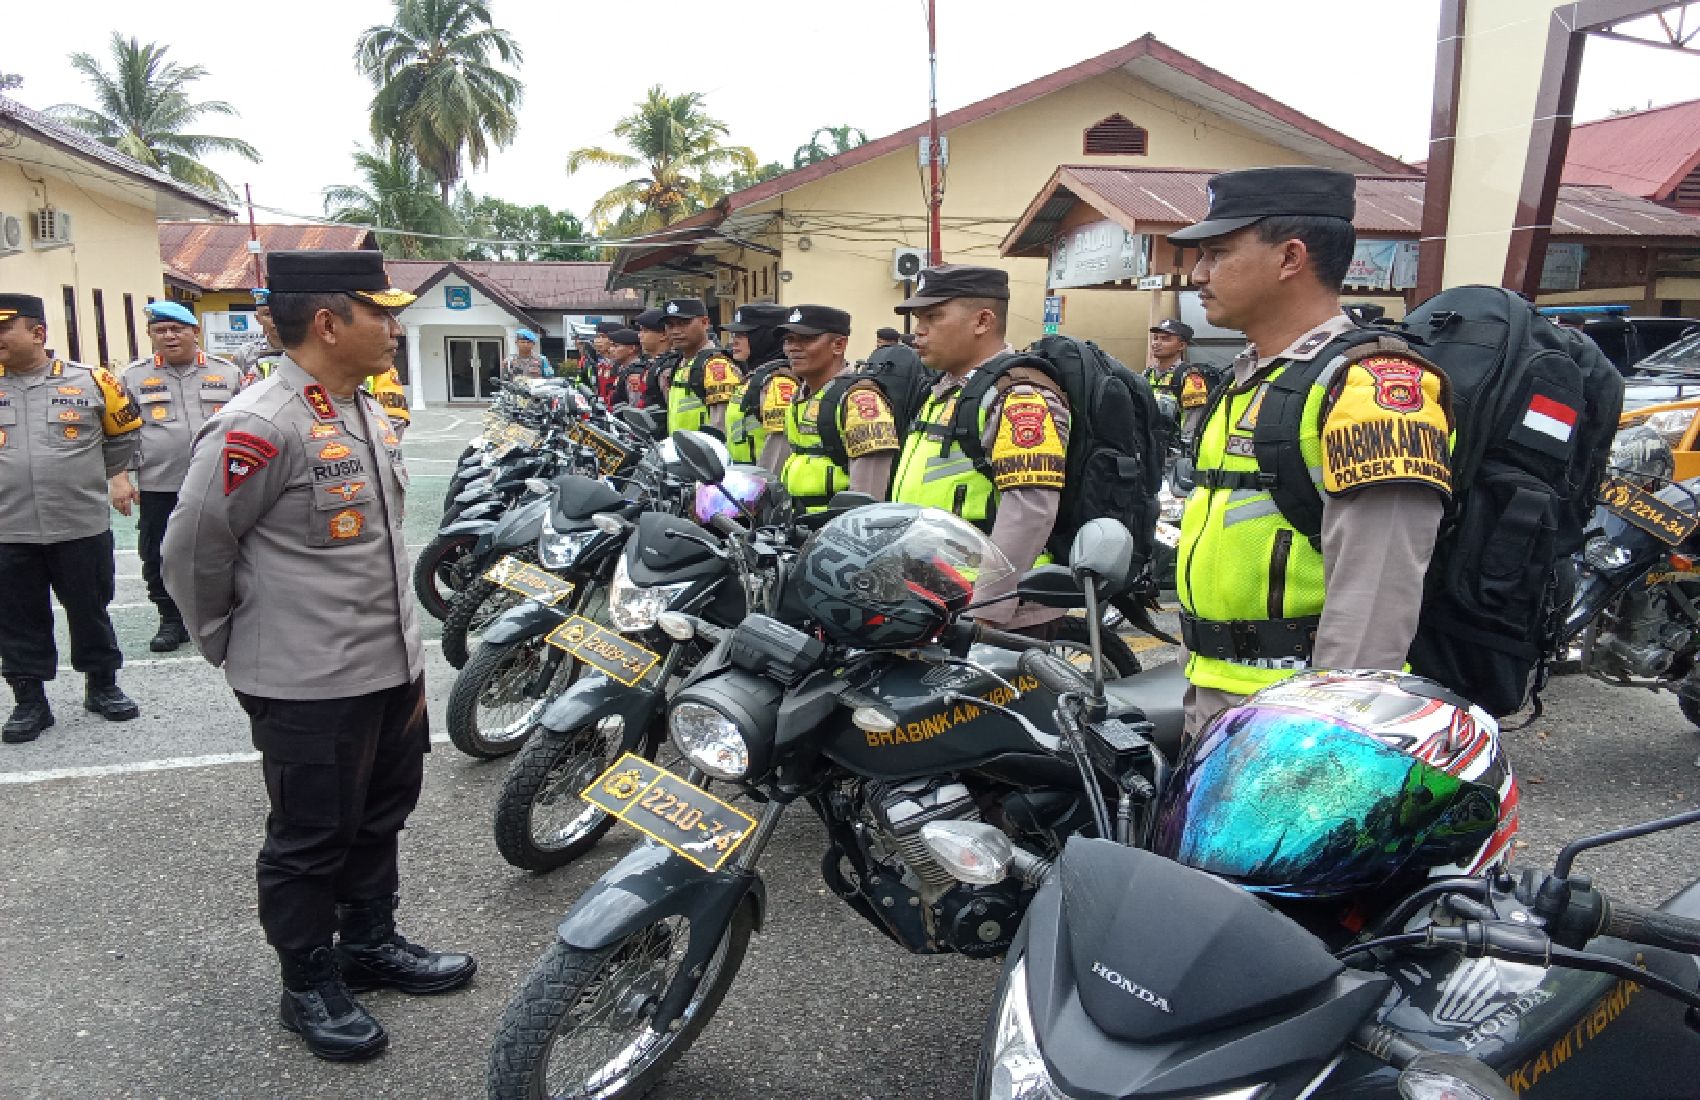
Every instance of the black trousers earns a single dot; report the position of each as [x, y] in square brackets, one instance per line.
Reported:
[150, 532]
[342, 776]
[80, 572]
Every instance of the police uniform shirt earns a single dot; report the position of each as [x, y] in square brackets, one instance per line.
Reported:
[64, 431]
[286, 553]
[1026, 442]
[175, 402]
[1377, 540]
[777, 392]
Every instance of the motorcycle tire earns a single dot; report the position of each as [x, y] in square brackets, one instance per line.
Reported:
[471, 610]
[434, 578]
[552, 769]
[1119, 657]
[495, 672]
[541, 1016]
[1690, 709]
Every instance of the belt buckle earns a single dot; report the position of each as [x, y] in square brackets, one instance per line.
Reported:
[1245, 638]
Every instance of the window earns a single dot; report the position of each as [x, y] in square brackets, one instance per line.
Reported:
[101, 348]
[1115, 136]
[130, 325]
[73, 336]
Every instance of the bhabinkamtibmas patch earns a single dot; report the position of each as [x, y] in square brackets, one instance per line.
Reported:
[775, 400]
[1390, 425]
[719, 380]
[1195, 391]
[1028, 452]
[868, 424]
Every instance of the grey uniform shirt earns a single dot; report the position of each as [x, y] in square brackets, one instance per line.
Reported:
[64, 430]
[285, 552]
[1376, 546]
[175, 402]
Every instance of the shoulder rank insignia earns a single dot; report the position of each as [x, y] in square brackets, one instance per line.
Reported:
[320, 402]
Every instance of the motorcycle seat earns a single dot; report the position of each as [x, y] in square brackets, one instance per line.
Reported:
[1160, 695]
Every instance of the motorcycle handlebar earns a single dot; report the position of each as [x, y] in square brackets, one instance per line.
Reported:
[1057, 675]
[1003, 639]
[1651, 927]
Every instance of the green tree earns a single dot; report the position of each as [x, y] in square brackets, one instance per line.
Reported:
[535, 228]
[738, 179]
[839, 139]
[10, 82]
[397, 192]
[440, 86]
[143, 110]
[677, 146]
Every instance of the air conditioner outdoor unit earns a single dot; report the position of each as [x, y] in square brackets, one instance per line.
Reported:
[725, 282]
[11, 234]
[52, 228]
[906, 263]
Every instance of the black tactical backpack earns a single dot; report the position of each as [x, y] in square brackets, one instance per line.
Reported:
[756, 382]
[1115, 456]
[900, 376]
[1534, 408]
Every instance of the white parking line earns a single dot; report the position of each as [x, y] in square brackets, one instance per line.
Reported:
[143, 767]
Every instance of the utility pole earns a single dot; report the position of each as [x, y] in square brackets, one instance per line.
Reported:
[935, 192]
[253, 236]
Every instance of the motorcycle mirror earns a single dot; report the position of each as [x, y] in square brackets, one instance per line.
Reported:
[972, 851]
[1103, 549]
[697, 453]
[1432, 1076]
[1051, 586]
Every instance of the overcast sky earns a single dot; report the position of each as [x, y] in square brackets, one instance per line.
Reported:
[781, 69]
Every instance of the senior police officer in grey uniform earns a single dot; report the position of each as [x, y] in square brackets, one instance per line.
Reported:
[177, 388]
[65, 431]
[286, 556]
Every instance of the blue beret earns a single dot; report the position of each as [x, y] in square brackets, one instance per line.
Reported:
[526, 334]
[171, 311]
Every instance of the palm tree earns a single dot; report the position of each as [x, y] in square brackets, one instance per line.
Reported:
[143, 110]
[678, 147]
[398, 193]
[439, 87]
[843, 139]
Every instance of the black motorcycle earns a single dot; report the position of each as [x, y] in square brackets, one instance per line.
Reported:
[880, 745]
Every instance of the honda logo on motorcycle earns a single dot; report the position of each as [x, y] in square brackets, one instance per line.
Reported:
[1127, 985]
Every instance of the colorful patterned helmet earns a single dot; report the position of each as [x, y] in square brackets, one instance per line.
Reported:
[1334, 783]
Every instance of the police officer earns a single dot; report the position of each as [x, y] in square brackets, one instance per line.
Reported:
[756, 415]
[66, 431]
[887, 337]
[658, 358]
[287, 558]
[961, 313]
[815, 339]
[386, 387]
[525, 362]
[1186, 386]
[704, 379]
[176, 388]
[1259, 600]
[623, 349]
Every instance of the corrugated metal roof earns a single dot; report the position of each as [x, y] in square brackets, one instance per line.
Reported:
[1388, 206]
[214, 255]
[1646, 153]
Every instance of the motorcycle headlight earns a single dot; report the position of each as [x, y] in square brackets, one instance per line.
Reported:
[559, 549]
[1605, 555]
[1018, 1069]
[709, 740]
[633, 608]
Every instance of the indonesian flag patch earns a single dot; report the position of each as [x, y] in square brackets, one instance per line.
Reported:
[1548, 424]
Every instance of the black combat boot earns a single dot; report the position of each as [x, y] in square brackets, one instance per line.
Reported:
[30, 716]
[171, 633]
[318, 1006]
[103, 696]
[373, 955]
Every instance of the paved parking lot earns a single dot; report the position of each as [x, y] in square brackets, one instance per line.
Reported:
[131, 963]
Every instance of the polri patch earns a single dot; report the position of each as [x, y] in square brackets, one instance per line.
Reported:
[240, 464]
[258, 444]
[320, 402]
[347, 524]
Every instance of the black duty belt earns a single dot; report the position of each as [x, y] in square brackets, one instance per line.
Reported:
[1253, 480]
[1250, 639]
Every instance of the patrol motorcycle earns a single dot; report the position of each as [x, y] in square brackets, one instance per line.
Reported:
[1635, 618]
[880, 745]
[1469, 988]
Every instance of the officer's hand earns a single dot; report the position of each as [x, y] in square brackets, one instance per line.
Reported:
[122, 493]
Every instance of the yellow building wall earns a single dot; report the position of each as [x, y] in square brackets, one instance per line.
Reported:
[997, 166]
[115, 251]
[1504, 46]
[222, 301]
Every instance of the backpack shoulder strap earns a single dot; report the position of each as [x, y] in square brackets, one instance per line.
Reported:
[826, 425]
[1002, 373]
[1275, 437]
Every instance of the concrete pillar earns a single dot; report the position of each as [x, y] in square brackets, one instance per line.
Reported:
[415, 369]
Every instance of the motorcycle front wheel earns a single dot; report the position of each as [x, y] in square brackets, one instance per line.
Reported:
[579, 1026]
[481, 603]
[435, 577]
[493, 706]
[541, 823]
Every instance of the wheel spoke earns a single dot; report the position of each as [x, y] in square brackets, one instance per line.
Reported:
[558, 817]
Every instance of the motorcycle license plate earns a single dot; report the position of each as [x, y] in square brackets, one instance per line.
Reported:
[1169, 535]
[609, 454]
[614, 655]
[674, 812]
[529, 581]
[520, 436]
[1646, 511]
